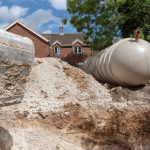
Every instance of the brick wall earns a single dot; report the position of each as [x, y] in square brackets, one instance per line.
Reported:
[68, 55]
[41, 46]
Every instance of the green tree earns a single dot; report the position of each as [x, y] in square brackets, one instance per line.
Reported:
[134, 14]
[64, 21]
[102, 20]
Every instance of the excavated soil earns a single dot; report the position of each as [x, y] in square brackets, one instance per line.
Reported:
[64, 108]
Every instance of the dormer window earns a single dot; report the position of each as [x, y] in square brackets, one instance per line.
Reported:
[77, 49]
[57, 50]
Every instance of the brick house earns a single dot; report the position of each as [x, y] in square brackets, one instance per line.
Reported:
[69, 47]
[42, 48]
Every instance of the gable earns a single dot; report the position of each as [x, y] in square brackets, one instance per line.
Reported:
[77, 42]
[18, 28]
[56, 43]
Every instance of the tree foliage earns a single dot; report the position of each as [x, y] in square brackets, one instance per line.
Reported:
[64, 21]
[135, 14]
[102, 20]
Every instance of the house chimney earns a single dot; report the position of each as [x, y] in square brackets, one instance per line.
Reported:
[61, 30]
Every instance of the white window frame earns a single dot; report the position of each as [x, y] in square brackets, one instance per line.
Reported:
[77, 52]
[57, 50]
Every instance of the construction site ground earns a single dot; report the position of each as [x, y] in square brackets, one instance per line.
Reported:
[60, 107]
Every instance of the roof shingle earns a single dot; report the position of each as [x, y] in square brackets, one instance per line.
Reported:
[65, 39]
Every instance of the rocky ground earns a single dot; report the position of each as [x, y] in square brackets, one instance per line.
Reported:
[63, 108]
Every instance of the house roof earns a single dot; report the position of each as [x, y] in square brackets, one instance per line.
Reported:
[66, 39]
[18, 22]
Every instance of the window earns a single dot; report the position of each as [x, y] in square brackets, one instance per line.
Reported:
[77, 49]
[57, 50]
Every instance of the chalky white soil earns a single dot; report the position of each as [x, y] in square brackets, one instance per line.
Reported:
[66, 109]
[54, 83]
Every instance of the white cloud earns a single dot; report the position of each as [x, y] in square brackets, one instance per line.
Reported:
[58, 4]
[50, 27]
[41, 20]
[17, 12]
[40, 17]
[47, 32]
[4, 13]
[12, 13]
[33, 1]
[53, 25]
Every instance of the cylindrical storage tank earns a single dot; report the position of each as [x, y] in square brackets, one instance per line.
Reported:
[16, 58]
[16, 49]
[126, 63]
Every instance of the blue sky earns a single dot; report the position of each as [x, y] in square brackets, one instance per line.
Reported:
[43, 16]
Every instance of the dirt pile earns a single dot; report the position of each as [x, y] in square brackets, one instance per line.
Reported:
[53, 83]
[64, 108]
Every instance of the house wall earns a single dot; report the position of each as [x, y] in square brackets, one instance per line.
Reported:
[41, 46]
[53, 51]
[73, 58]
[68, 55]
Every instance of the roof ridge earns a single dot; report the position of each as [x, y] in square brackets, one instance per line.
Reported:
[25, 26]
[59, 34]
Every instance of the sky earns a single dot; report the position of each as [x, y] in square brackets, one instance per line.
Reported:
[43, 16]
